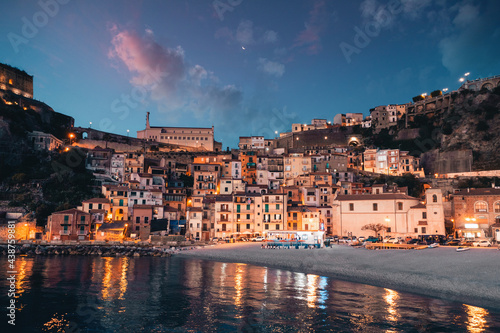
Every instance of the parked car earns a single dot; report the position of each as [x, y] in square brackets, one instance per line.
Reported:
[335, 238]
[362, 239]
[372, 239]
[386, 239]
[482, 243]
[344, 239]
[393, 240]
[258, 239]
[466, 243]
[453, 242]
[413, 241]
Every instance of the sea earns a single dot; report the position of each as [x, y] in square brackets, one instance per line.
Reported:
[154, 294]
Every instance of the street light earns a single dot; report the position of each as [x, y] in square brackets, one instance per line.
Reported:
[27, 231]
[90, 123]
[128, 131]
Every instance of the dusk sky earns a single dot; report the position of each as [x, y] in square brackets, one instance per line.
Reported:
[248, 67]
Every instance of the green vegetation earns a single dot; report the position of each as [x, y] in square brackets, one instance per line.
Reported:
[478, 182]
[415, 187]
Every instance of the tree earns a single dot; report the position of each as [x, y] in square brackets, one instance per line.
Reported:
[375, 227]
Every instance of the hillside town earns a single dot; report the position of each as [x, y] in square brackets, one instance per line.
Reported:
[320, 179]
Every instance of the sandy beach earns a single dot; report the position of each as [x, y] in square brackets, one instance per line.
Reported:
[471, 277]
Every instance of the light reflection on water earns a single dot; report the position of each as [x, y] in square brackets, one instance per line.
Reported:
[57, 294]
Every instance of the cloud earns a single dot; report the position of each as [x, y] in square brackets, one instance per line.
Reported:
[386, 15]
[270, 67]
[471, 40]
[270, 36]
[244, 33]
[192, 93]
[172, 83]
[309, 38]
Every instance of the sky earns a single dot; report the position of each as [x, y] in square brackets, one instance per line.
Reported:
[247, 67]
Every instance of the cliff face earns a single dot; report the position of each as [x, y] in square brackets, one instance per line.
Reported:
[19, 115]
[473, 123]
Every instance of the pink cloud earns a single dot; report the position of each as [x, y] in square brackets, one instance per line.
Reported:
[315, 25]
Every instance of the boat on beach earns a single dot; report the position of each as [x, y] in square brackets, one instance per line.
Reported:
[433, 245]
[462, 248]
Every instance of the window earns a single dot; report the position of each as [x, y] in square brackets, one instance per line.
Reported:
[497, 207]
[400, 206]
[137, 219]
[224, 227]
[424, 230]
[82, 218]
[277, 206]
[90, 206]
[434, 198]
[248, 216]
[424, 215]
[351, 207]
[277, 227]
[375, 207]
[481, 206]
[266, 226]
[248, 226]
[66, 218]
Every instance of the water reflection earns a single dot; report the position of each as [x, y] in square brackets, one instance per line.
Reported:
[158, 294]
[391, 297]
[476, 321]
[312, 286]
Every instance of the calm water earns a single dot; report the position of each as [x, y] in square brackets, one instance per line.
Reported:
[93, 294]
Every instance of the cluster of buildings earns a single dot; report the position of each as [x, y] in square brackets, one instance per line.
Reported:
[251, 191]
[258, 189]
[261, 187]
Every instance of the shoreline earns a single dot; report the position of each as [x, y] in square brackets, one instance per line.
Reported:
[469, 277]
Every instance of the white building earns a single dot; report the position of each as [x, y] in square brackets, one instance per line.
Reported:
[401, 214]
[201, 138]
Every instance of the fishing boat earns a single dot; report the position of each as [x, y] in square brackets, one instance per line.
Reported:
[462, 248]
[433, 245]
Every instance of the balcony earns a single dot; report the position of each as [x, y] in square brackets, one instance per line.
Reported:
[82, 232]
[64, 232]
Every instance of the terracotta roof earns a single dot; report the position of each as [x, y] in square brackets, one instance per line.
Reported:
[143, 206]
[371, 197]
[224, 198]
[70, 211]
[420, 205]
[478, 191]
[96, 200]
